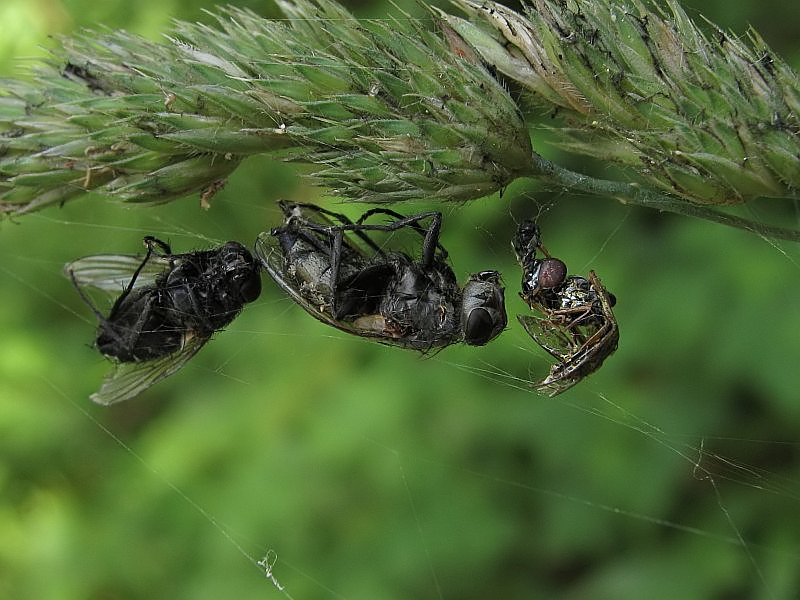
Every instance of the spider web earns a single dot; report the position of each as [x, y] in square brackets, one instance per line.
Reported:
[317, 461]
[290, 460]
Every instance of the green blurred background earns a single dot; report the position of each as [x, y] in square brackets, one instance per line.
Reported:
[372, 472]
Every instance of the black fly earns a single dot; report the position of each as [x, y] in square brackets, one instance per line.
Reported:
[577, 326]
[170, 305]
[341, 276]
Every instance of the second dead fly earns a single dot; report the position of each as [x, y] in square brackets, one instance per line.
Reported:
[337, 271]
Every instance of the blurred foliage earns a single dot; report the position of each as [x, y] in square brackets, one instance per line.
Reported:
[454, 482]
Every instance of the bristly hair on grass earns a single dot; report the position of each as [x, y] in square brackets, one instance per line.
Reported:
[386, 110]
[708, 118]
[403, 108]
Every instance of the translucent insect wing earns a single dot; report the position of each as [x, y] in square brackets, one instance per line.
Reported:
[268, 251]
[113, 272]
[127, 380]
[557, 382]
[557, 341]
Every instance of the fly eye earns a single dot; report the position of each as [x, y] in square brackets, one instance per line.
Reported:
[552, 273]
[479, 328]
[251, 287]
[483, 308]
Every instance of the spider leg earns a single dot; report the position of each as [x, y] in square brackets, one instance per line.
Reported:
[543, 250]
[605, 299]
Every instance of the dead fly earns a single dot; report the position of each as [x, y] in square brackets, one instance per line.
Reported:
[575, 324]
[343, 277]
[168, 306]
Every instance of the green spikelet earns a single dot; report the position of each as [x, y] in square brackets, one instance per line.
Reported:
[711, 119]
[385, 110]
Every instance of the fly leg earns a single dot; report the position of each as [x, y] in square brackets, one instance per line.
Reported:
[430, 234]
[149, 242]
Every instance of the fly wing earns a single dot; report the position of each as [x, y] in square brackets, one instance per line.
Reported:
[129, 379]
[357, 252]
[113, 272]
[556, 383]
[269, 253]
[374, 327]
[549, 337]
[558, 344]
[574, 362]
